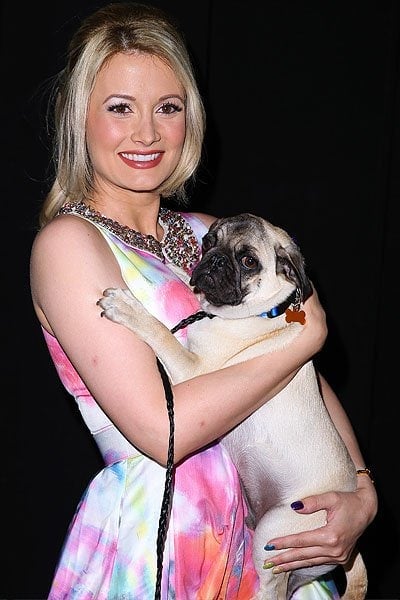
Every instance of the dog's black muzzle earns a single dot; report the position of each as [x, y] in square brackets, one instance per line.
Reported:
[217, 277]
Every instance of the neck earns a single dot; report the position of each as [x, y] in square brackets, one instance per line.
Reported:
[141, 217]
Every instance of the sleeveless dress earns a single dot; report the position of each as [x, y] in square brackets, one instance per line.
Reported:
[110, 548]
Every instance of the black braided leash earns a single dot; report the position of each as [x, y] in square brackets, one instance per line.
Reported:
[166, 501]
[191, 319]
[169, 475]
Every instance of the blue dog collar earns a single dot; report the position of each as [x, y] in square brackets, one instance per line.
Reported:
[276, 311]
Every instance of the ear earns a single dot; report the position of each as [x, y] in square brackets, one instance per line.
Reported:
[290, 263]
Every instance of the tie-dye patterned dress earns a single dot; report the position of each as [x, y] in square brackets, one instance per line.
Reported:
[110, 549]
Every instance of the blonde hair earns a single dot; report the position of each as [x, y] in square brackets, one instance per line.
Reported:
[118, 27]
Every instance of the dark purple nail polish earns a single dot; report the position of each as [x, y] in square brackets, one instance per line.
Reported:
[297, 505]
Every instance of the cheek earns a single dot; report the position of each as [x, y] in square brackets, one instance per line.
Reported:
[177, 135]
[101, 132]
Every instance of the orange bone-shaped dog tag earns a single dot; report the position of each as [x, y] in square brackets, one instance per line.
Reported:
[293, 316]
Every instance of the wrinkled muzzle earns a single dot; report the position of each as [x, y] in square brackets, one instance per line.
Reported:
[217, 276]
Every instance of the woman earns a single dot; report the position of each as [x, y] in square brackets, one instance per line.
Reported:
[129, 130]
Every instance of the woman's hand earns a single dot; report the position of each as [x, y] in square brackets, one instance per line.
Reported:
[316, 329]
[348, 515]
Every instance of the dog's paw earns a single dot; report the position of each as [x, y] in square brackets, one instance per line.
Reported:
[119, 305]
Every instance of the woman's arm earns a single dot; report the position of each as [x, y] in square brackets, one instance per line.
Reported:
[342, 422]
[348, 513]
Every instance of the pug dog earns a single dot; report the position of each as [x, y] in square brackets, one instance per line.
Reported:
[251, 283]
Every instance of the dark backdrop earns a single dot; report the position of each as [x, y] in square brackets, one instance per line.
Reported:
[303, 108]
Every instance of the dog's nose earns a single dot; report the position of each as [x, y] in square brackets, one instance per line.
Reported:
[218, 261]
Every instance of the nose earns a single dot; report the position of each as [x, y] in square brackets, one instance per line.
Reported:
[145, 131]
[218, 261]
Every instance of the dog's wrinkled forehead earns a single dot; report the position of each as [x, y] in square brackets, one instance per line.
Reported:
[245, 226]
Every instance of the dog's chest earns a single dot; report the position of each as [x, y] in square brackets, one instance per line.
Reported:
[222, 342]
[292, 412]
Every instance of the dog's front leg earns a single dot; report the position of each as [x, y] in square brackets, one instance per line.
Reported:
[122, 307]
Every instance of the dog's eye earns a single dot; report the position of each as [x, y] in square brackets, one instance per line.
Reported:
[249, 262]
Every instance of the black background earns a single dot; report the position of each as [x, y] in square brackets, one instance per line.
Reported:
[303, 128]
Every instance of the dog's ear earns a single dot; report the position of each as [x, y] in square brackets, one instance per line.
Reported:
[290, 263]
[208, 241]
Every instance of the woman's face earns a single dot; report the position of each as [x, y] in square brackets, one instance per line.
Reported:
[136, 123]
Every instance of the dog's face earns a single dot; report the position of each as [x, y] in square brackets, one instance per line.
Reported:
[248, 266]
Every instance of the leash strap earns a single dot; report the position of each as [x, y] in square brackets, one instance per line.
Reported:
[201, 314]
[169, 478]
[169, 474]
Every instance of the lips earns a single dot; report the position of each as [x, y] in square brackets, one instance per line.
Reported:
[142, 160]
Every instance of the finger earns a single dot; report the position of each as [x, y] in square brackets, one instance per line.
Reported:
[287, 562]
[315, 538]
[302, 547]
[312, 504]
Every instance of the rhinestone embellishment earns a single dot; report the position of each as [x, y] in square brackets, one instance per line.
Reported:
[179, 244]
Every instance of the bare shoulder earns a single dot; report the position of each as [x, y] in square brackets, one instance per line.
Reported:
[206, 219]
[69, 254]
[64, 231]
[68, 241]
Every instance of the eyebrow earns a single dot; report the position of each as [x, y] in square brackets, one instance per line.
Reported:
[133, 99]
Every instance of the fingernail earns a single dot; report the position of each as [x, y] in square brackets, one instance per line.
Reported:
[297, 505]
[268, 565]
[277, 570]
[269, 547]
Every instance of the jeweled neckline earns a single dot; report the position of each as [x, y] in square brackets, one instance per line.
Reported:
[179, 244]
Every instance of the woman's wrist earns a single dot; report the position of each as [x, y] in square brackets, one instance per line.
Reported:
[366, 487]
[365, 472]
[316, 324]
